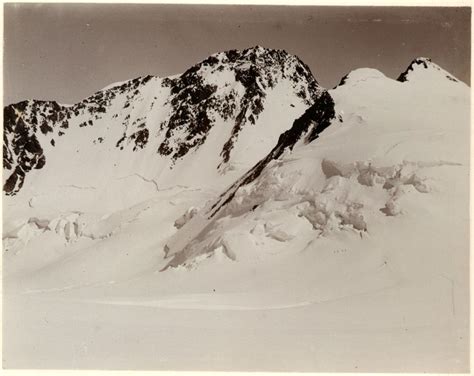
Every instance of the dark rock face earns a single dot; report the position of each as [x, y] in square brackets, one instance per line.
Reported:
[141, 138]
[22, 151]
[423, 62]
[343, 81]
[191, 100]
[232, 85]
[315, 120]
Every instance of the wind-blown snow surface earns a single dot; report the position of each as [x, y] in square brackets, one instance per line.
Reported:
[347, 251]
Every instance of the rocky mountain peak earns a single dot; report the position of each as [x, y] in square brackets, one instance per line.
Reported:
[234, 85]
[423, 66]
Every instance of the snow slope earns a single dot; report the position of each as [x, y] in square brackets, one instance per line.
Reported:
[345, 248]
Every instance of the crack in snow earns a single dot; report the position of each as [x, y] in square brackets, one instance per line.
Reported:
[77, 186]
[152, 181]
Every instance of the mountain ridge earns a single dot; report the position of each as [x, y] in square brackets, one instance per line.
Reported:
[177, 114]
[193, 99]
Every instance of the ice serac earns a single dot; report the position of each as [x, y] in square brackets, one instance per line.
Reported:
[305, 129]
[219, 117]
[366, 155]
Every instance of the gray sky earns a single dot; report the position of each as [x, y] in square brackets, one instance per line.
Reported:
[68, 51]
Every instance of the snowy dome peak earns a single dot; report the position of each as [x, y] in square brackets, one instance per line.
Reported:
[361, 75]
[423, 68]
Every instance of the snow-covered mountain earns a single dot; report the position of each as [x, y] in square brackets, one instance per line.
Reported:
[340, 173]
[221, 115]
[71, 169]
[242, 202]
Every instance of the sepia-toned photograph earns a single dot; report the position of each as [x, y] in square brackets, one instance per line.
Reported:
[271, 188]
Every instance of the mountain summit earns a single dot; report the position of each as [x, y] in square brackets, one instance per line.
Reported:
[423, 68]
